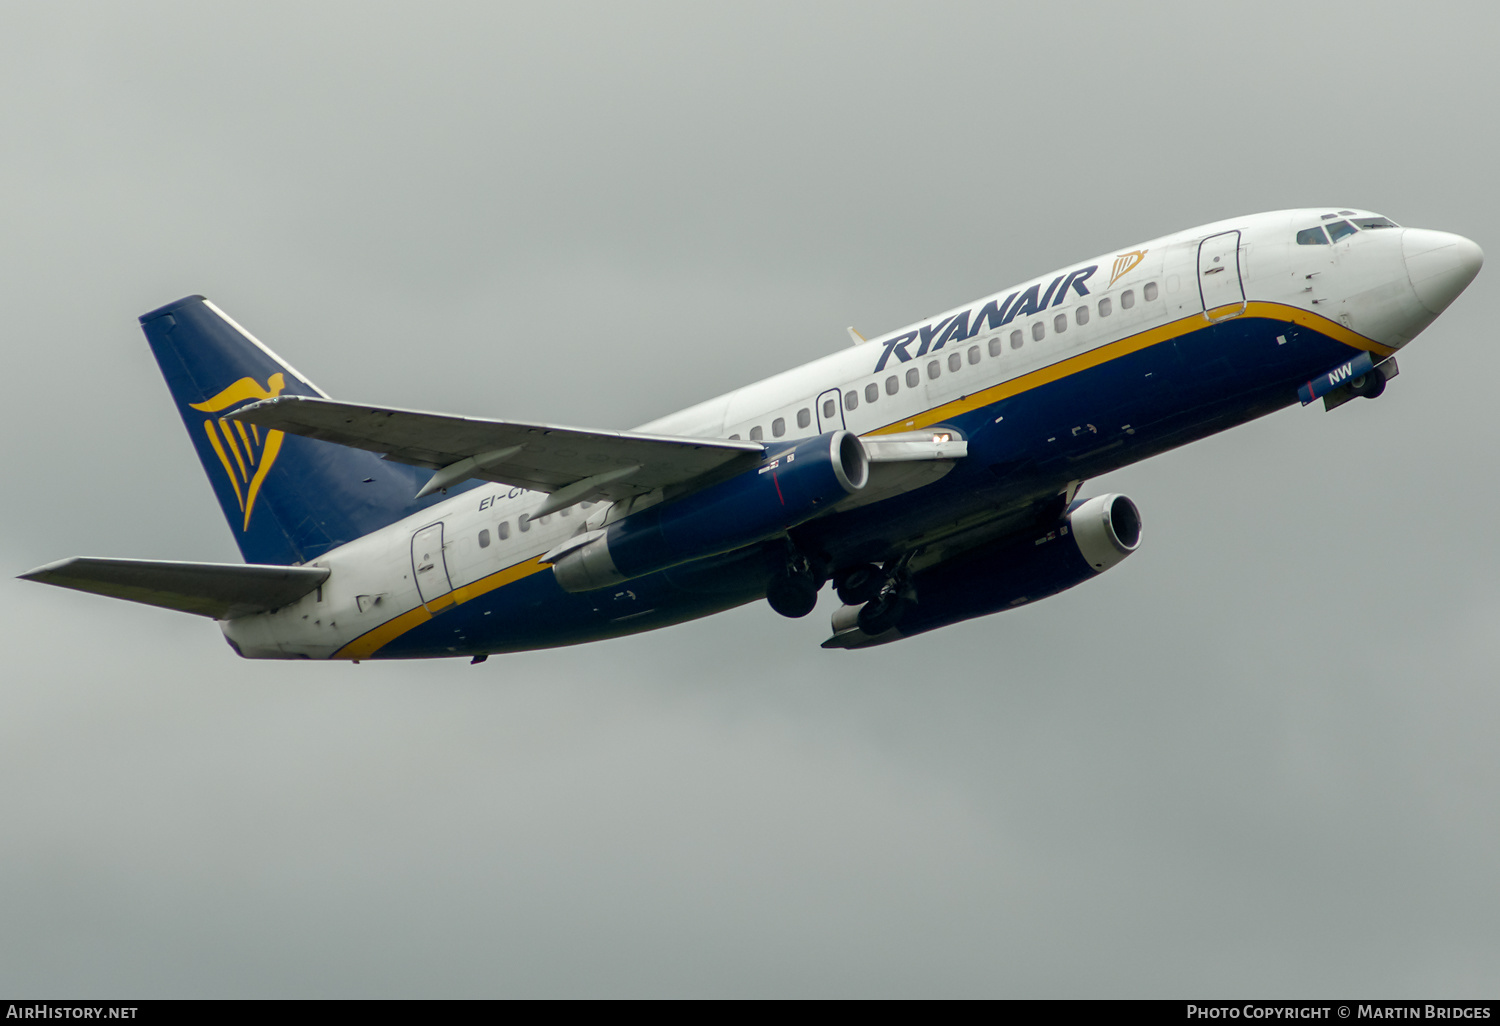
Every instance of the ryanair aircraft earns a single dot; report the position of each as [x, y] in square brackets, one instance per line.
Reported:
[932, 475]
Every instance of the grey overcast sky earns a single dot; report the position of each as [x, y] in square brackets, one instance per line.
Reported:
[1259, 758]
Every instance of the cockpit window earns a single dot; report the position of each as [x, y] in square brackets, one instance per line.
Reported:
[1312, 237]
[1340, 229]
[1374, 222]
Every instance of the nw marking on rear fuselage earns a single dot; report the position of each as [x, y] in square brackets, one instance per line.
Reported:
[994, 314]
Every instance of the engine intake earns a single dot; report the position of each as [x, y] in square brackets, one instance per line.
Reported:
[792, 486]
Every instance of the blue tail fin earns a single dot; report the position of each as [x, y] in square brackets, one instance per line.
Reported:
[287, 499]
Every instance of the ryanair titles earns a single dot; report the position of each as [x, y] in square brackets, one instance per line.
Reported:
[994, 314]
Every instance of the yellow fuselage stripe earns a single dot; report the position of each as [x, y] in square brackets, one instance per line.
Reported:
[372, 641]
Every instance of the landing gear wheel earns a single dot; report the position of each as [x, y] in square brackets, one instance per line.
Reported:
[1368, 386]
[792, 595]
[861, 584]
[880, 614]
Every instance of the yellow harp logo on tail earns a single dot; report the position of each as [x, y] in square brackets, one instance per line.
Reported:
[1124, 264]
[246, 454]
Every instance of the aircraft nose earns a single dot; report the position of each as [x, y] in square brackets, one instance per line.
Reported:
[1440, 265]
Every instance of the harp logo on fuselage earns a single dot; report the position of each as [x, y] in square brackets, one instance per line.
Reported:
[1124, 264]
[247, 455]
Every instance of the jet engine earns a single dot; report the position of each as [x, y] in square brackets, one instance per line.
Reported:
[789, 488]
[1094, 535]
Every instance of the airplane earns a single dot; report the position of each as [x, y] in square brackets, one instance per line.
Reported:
[930, 474]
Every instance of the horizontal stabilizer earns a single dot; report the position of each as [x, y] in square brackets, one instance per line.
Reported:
[540, 457]
[220, 590]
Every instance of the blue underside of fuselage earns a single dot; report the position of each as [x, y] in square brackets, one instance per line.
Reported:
[1024, 448]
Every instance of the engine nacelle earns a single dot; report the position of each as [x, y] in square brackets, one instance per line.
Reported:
[791, 487]
[1093, 536]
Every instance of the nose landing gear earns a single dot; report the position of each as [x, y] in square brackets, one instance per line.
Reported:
[1368, 385]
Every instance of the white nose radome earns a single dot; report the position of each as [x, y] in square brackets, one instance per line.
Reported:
[1440, 265]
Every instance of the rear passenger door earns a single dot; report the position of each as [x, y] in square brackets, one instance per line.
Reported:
[429, 568]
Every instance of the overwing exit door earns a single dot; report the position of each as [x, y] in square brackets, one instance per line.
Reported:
[830, 412]
[1219, 276]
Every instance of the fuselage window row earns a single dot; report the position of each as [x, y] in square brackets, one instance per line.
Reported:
[975, 354]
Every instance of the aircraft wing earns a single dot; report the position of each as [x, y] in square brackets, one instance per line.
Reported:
[220, 590]
[571, 463]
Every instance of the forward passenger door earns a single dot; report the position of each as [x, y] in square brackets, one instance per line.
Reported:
[1219, 284]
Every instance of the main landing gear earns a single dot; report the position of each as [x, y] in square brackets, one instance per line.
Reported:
[793, 592]
[881, 594]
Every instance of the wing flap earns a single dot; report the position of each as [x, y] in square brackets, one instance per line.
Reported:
[219, 590]
[545, 458]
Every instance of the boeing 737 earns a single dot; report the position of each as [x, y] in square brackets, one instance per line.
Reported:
[931, 474]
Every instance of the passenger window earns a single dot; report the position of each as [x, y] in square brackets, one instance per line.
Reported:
[1016, 341]
[484, 539]
[1150, 291]
[543, 520]
[934, 369]
[1105, 307]
[892, 385]
[734, 438]
[973, 354]
[778, 426]
[1314, 236]
[804, 417]
[1127, 299]
[913, 379]
[996, 345]
[851, 400]
[1081, 315]
[829, 407]
[585, 504]
[1038, 331]
[566, 511]
[502, 530]
[955, 361]
[1340, 229]
[524, 522]
[872, 392]
[756, 434]
[1060, 323]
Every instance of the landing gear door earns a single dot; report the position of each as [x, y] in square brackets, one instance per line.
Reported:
[429, 568]
[830, 412]
[1219, 276]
